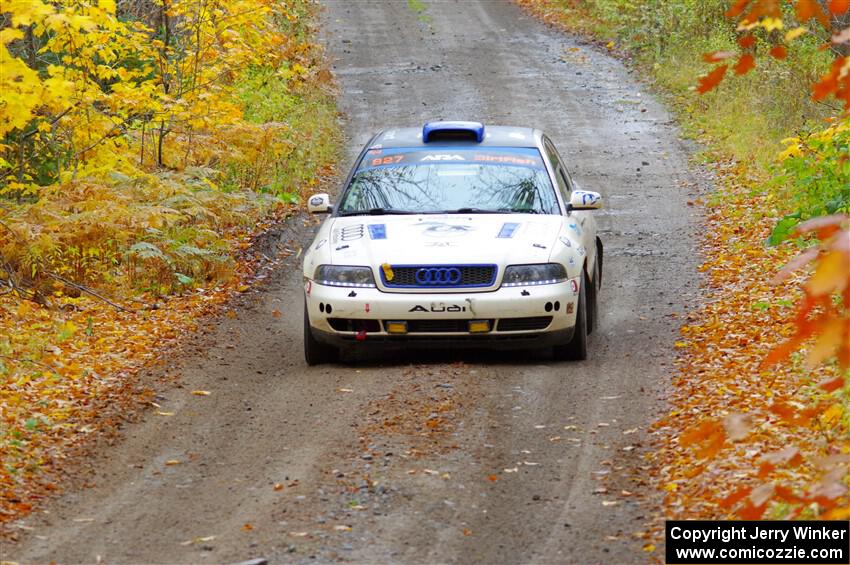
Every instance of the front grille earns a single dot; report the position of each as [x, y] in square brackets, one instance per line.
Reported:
[354, 325]
[524, 324]
[440, 276]
[438, 326]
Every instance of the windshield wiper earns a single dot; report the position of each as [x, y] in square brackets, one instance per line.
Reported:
[499, 211]
[472, 211]
[378, 212]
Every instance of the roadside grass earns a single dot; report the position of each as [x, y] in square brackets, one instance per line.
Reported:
[419, 9]
[747, 117]
[102, 272]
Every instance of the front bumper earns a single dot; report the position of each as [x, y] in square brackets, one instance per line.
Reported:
[516, 316]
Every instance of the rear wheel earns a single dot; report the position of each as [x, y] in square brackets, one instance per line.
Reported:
[576, 348]
[316, 352]
[593, 297]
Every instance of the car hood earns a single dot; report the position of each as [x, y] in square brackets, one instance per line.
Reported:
[499, 239]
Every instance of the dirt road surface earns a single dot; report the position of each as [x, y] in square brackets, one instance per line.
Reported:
[464, 458]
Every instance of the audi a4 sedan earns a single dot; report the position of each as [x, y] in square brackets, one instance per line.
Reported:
[454, 234]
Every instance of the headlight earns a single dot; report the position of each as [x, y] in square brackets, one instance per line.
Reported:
[545, 273]
[342, 275]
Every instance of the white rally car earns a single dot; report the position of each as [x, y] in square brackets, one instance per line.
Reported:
[454, 234]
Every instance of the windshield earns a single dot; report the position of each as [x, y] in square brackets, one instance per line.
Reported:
[450, 180]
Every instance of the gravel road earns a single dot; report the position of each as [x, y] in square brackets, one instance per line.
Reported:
[468, 458]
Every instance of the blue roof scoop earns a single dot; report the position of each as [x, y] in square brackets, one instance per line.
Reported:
[453, 131]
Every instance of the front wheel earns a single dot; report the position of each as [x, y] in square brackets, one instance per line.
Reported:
[576, 348]
[316, 352]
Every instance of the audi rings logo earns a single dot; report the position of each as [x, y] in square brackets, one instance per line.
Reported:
[438, 276]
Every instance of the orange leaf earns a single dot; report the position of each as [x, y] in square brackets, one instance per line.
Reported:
[786, 494]
[778, 52]
[838, 7]
[493, 478]
[781, 352]
[832, 384]
[746, 41]
[737, 8]
[714, 445]
[823, 226]
[735, 497]
[699, 432]
[808, 9]
[782, 410]
[830, 276]
[712, 79]
[750, 512]
[745, 64]
[765, 469]
[827, 343]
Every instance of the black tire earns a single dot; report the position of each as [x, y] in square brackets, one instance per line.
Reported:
[593, 298]
[576, 348]
[316, 352]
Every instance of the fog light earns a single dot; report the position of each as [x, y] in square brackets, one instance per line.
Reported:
[479, 326]
[396, 327]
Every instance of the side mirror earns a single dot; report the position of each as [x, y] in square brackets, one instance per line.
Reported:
[585, 200]
[319, 203]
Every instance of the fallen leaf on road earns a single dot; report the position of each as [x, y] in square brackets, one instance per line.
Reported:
[609, 503]
[600, 490]
[539, 427]
[342, 528]
[165, 413]
[247, 527]
[298, 534]
[344, 390]
[467, 532]
[84, 519]
[493, 478]
[631, 431]
[530, 463]
[278, 486]
[197, 540]
[650, 547]
[555, 438]
[172, 462]
[201, 392]
[276, 313]
[513, 470]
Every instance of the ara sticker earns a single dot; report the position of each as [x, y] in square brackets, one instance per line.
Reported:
[388, 272]
[508, 230]
[377, 231]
